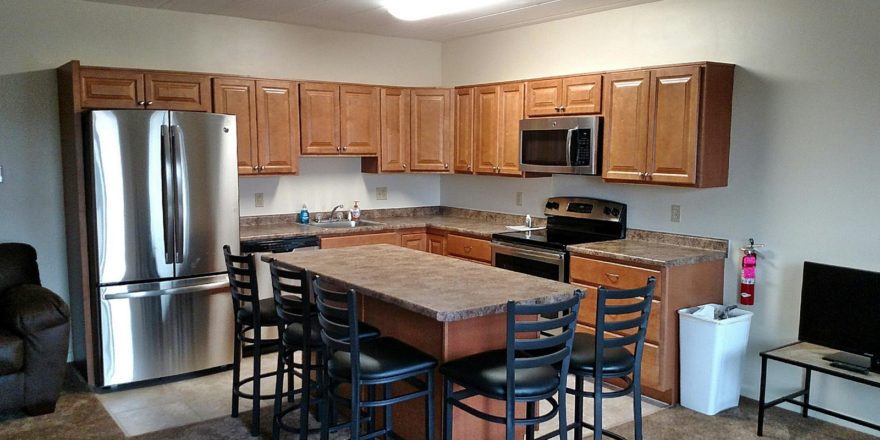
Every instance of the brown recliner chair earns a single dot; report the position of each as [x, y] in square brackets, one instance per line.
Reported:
[34, 331]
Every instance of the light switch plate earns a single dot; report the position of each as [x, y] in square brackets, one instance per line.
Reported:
[675, 216]
[381, 193]
[519, 198]
[258, 200]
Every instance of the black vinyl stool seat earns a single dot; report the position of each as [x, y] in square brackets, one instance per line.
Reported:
[242, 273]
[369, 363]
[296, 316]
[606, 357]
[517, 374]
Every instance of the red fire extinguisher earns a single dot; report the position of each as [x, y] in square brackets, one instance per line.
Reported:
[747, 277]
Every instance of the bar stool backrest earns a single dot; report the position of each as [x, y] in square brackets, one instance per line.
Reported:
[290, 289]
[610, 318]
[542, 342]
[337, 315]
[242, 272]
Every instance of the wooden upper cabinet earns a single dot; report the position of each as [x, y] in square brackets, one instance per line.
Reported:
[319, 118]
[267, 123]
[339, 119]
[111, 89]
[571, 95]
[278, 127]
[511, 114]
[177, 91]
[395, 144]
[626, 125]
[669, 125]
[124, 89]
[464, 131]
[238, 97]
[486, 119]
[431, 123]
[360, 119]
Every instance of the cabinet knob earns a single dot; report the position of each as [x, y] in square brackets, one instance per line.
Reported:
[446, 165]
[642, 175]
[404, 166]
[142, 102]
[149, 102]
[261, 168]
[255, 168]
[613, 277]
[467, 249]
[468, 167]
[344, 148]
[562, 108]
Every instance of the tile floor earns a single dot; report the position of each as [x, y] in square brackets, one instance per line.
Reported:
[149, 409]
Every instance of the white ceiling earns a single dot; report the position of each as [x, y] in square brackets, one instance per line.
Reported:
[370, 17]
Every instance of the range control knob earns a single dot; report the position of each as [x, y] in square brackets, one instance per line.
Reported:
[607, 211]
[615, 212]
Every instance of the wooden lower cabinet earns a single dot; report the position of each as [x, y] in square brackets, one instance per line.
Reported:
[436, 243]
[360, 240]
[415, 240]
[677, 287]
[469, 248]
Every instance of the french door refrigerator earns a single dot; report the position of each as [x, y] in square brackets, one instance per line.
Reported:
[163, 200]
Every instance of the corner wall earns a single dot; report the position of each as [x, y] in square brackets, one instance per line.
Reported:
[805, 142]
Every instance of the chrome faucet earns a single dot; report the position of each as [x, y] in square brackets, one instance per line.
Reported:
[333, 211]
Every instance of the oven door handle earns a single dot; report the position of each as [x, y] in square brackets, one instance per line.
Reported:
[546, 257]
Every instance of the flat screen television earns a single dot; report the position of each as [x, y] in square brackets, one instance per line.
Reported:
[840, 309]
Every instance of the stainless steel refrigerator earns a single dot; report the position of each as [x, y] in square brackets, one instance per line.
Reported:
[163, 200]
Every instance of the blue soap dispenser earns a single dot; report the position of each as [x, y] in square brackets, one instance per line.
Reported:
[304, 215]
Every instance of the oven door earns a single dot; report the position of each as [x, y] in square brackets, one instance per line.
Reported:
[538, 262]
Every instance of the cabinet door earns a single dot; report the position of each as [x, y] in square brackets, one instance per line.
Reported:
[464, 130]
[237, 97]
[394, 107]
[278, 127]
[108, 89]
[431, 130]
[486, 119]
[626, 125]
[416, 241]
[582, 94]
[673, 125]
[360, 120]
[436, 244]
[177, 91]
[543, 98]
[511, 114]
[360, 240]
[319, 118]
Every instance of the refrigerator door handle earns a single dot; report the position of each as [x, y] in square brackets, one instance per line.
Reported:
[172, 291]
[168, 194]
[178, 197]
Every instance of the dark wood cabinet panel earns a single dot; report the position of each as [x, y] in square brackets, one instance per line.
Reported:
[319, 118]
[278, 127]
[238, 97]
[464, 130]
[431, 122]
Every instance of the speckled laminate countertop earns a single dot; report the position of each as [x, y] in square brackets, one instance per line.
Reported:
[656, 248]
[446, 289]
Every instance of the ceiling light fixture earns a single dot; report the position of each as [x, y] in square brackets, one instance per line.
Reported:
[412, 10]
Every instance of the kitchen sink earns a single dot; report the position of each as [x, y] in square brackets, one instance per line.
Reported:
[345, 224]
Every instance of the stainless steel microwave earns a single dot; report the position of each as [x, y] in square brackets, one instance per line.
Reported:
[564, 145]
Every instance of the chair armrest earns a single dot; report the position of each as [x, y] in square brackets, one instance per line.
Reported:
[29, 308]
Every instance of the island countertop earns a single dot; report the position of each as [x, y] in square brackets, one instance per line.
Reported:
[442, 288]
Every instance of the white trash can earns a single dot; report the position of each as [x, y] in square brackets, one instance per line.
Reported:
[712, 351]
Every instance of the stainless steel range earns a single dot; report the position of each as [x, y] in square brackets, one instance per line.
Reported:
[570, 220]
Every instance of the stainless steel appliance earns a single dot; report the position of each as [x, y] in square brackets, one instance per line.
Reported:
[563, 145]
[261, 247]
[570, 220]
[163, 200]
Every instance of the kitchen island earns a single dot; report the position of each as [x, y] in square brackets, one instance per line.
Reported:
[446, 307]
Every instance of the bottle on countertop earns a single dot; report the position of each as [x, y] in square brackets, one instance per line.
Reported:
[528, 221]
[355, 212]
[304, 215]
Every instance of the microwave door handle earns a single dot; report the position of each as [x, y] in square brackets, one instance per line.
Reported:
[568, 146]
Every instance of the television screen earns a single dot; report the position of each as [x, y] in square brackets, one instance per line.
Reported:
[840, 308]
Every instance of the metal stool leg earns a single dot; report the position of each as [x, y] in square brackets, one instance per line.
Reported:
[387, 395]
[530, 413]
[597, 407]
[255, 411]
[637, 406]
[279, 389]
[447, 410]
[579, 408]
[429, 406]
[306, 397]
[236, 369]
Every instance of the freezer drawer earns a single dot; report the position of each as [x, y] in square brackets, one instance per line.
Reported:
[154, 330]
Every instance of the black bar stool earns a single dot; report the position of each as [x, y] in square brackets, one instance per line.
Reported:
[298, 325]
[606, 357]
[530, 369]
[251, 314]
[372, 363]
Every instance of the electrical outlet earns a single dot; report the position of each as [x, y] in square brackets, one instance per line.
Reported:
[258, 200]
[381, 193]
[676, 214]
[519, 198]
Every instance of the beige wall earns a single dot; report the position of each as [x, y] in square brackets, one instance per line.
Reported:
[36, 36]
[805, 142]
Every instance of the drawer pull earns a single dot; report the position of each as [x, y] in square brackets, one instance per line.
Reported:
[467, 249]
[612, 276]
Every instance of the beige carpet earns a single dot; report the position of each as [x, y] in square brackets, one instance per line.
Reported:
[80, 415]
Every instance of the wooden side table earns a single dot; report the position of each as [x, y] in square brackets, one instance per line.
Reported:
[809, 357]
